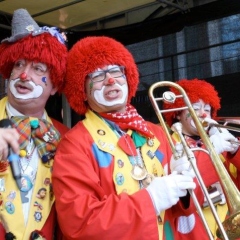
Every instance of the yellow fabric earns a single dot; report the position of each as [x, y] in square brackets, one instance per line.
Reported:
[108, 143]
[221, 209]
[15, 222]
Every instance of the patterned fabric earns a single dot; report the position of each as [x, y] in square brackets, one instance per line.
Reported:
[130, 119]
[43, 133]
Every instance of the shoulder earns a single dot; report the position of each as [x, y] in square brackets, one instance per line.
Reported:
[155, 127]
[59, 126]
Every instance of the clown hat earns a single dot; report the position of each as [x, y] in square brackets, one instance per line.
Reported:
[195, 89]
[89, 54]
[22, 25]
[34, 43]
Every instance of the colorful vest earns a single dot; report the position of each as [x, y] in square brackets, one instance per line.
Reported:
[11, 214]
[106, 140]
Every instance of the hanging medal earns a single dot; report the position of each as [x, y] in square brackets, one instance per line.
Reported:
[26, 183]
[138, 172]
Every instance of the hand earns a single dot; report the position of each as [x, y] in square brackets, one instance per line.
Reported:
[8, 136]
[221, 138]
[214, 130]
[166, 191]
[182, 164]
[224, 142]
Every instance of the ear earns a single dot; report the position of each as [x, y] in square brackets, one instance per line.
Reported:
[54, 90]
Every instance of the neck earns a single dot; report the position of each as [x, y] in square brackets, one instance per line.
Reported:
[12, 111]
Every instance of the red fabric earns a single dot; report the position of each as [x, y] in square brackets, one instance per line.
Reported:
[234, 159]
[87, 204]
[130, 119]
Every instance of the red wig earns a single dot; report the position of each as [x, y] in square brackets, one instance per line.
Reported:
[195, 89]
[40, 48]
[89, 54]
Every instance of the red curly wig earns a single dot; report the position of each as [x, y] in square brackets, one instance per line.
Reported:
[195, 89]
[41, 48]
[91, 53]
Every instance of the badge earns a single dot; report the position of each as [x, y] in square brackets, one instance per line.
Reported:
[49, 136]
[120, 163]
[9, 207]
[111, 146]
[42, 192]
[38, 216]
[102, 144]
[46, 181]
[150, 142]
[11, 196]
[101, 132]
[26, 184]
[151, 154]
[119, 179]
[38, 205]
[2, 185]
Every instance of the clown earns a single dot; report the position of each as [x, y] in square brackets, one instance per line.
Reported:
[108, 177]
[206, 102]
[33, 60]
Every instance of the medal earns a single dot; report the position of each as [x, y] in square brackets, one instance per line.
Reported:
[26, 183]
[138, 173]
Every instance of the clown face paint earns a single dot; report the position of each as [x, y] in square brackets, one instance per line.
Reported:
[99, 95]
[109, 95]
[202, 110]
[44, 80]
[25, 90]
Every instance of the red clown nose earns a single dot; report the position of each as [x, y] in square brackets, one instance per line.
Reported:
[111, 81]
[23, 76]
[204, 115]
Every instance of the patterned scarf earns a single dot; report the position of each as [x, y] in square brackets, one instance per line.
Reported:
[45, 136]
[130, 119]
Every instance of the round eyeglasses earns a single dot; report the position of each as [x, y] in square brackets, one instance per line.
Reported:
[99, 76]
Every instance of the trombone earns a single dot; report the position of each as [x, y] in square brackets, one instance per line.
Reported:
[230, 228]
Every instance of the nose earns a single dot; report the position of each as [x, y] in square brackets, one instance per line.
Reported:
[109, 79]
[23, 76]
[202, 113]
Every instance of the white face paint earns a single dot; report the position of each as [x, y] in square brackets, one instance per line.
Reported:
[36, 91]
[200, 108]
[98, 95]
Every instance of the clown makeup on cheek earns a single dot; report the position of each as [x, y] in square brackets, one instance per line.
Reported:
[44, 80]
[25, 90]
[99, 96]
[90, 85]
[188, 115]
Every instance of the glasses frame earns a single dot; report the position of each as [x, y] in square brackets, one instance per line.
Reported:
[122, 69]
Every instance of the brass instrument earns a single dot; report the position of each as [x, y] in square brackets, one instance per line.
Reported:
[230, 228]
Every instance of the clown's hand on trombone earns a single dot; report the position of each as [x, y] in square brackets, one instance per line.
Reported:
[221, 138]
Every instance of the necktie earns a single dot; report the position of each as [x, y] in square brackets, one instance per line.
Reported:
[44, 135]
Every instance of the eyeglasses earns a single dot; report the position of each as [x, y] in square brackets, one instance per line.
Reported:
[99, 76]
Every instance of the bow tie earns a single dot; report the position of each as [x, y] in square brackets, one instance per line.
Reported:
[44, 135]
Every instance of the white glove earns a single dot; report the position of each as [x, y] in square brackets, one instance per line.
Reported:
[182, 164]
[214, 130]
[222, 139]
[222, 142]
[166, 191]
